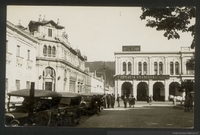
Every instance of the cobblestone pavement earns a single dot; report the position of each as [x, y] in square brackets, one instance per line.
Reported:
[143, 115]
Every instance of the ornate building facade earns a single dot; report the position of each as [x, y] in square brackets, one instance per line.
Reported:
[158, 74]
[59, 67]
[42, 54]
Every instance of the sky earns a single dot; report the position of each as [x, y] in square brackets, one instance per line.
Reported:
[98, 31]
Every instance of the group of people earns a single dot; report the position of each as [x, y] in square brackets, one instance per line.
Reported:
[108, 100]
[131, 100]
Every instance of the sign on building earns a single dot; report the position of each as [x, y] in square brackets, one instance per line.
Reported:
[130, 48]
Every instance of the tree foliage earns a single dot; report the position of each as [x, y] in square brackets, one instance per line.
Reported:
[171, 20]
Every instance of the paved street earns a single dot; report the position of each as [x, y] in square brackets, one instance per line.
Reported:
[143, 115]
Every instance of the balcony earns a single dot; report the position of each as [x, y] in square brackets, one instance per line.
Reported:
[8, 57]
[190, 72]
[29, 64]
[19, 61]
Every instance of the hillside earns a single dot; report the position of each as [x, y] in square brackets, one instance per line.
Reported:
[98, 67]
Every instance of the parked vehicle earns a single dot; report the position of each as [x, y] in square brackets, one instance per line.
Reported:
[91, 103]
[69, 112]
[32, 111]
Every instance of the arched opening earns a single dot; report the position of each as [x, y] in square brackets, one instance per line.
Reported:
[54, 51]
[171, 68]
[142, 91]
[158, 91]
[124, 67]
[173, 89]
[129, 68]
[160, 68]
[49, 79]
[177, 68]
[139, 68]
[49, 51]
[144, 68]
[127, 88]
[45, 50]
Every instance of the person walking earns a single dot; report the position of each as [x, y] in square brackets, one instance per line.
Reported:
[150, 99]
[112, 100]
[125, 101]
[108, 100]
[118, 98]
[130, 100]
[133, 100]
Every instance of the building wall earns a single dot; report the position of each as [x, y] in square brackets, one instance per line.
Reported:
[134, 58]
[18, 67]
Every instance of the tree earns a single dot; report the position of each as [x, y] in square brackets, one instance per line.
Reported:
[171, 20]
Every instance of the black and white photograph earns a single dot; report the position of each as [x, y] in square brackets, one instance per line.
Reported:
[100, 67]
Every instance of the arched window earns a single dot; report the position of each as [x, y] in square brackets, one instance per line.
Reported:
[54, 51]
[49, 71]
[124, 67]
[177, 68]
[49, 51]
[45, 50]
[144, 68]
[160, 68]
[139, 68]
[155, 68]
[171, 68]
[129, 68]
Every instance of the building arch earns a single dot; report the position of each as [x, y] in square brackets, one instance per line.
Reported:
[145, 68]
[49, 51]
[140, 68]
[142, 91]
[129, 67]
[54, 51]
[45, 50]
[171, 68]
[49, 79]
[176, 68]
[160, 68]
[127, 88]
[124, 67]
[173, 89]
[155, 68]
[158, 91]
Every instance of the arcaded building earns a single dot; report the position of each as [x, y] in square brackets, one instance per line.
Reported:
[159, 74]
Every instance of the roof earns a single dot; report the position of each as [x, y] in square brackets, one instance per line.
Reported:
[38, 93]
[44, 22]
[69, 94]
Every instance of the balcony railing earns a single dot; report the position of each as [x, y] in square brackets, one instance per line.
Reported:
[190, 72]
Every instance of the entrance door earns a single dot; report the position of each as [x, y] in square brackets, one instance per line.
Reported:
[127, 89]
[48, 86]
[158, 91]
[142, 91]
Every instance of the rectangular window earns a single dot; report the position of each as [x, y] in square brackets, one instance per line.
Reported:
[28, 84]
[28, 54]
[17, 84]
[50, 32]
[18, 50]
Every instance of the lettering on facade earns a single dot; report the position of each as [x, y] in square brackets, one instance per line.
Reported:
[130, 48]
[142, 77]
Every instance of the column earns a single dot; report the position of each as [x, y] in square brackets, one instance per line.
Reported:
[166, 90]
[174, 67]
[134, 88]
[150, 87]
[149, 66]
[133, 66]
[165, 66]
